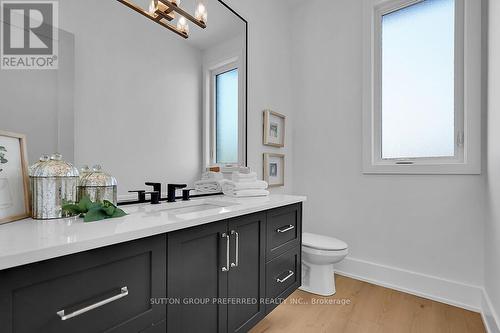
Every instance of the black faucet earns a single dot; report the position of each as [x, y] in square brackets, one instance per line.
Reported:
[156, 187]
[155, 197]
[141, 195]
[186, 194]
[171, 191]
[155, 194]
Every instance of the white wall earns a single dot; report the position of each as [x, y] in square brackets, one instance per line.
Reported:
[46, 117]
[430, 225]
[492, 232]
[139, 117]
[269, 76]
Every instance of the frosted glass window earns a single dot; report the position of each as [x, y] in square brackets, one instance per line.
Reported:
[418, 81]
[226, 116]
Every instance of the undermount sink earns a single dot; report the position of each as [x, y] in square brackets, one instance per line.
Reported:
[192, 209]
[182, 209]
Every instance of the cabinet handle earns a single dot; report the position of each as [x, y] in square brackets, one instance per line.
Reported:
[290, 274]
[123, 293]
[228, 239]
[237, 256]
[285, 229]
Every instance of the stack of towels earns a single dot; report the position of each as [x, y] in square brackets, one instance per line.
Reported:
[244, 185]
[210, 182]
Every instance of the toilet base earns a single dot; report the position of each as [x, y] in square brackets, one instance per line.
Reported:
[318, 279]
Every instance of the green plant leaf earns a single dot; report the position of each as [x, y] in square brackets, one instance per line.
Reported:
[108, 207]
[95, 214]
[108, 203]
[85, 204]
[109, 210]
[72, 208]
[94, 211]
[118, 213]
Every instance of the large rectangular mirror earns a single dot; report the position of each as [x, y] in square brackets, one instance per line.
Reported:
[133, 96]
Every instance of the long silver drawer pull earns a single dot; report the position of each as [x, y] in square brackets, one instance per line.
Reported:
[123, 293]
[237, 260]
[290, 274]
[285, 229]
[228, 240]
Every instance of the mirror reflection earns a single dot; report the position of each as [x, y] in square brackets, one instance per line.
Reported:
[133, 96]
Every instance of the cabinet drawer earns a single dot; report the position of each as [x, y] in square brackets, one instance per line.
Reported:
[283, 276]
[103, 290]
[160, 327]
[283, 230]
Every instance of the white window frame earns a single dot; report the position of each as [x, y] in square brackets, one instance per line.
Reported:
[210, 125]
[467, 159]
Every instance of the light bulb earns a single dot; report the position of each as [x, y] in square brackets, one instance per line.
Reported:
[201, 12]
[182, 25]
[152, 7]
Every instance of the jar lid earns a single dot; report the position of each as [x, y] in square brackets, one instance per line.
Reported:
[85, 170]
[54, 166]
[97, 177]
[32, 169]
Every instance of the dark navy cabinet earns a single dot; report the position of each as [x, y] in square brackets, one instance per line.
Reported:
[223, 276]
[103, 290]
[226, 276]
[212, 266]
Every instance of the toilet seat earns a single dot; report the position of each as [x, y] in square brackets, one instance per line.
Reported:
[320, 242]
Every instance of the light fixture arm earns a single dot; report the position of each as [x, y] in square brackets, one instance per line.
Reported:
[182, 12]
[161, 15]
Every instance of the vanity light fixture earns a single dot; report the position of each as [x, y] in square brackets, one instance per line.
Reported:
[164, 12]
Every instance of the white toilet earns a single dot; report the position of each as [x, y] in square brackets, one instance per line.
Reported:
[319, 253]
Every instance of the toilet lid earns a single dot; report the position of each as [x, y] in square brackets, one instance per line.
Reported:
[322, 242]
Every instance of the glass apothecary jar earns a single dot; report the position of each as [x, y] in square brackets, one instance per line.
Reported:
[98, 185]
[54, 183]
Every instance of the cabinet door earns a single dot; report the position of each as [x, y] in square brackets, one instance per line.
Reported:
[247, 274]
[102, 290]
[195, 279]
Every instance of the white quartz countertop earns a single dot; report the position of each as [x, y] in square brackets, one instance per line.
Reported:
[30, 241]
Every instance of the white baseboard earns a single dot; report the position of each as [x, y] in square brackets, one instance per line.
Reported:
[438, 289]
[490, 318]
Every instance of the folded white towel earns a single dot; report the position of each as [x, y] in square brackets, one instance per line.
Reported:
[245, 170]
[239, 177]
[212, 175]
[248, 193]
[207, 186]
[228, 185]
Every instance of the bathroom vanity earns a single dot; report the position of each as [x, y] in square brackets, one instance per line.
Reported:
[207, 265]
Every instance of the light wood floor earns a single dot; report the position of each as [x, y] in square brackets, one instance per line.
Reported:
[372, 309]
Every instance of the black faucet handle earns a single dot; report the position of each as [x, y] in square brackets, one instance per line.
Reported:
[186, 194]
[156, 186]
[141, 195]
[155, 197]
[178, 185]
[171, 191]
